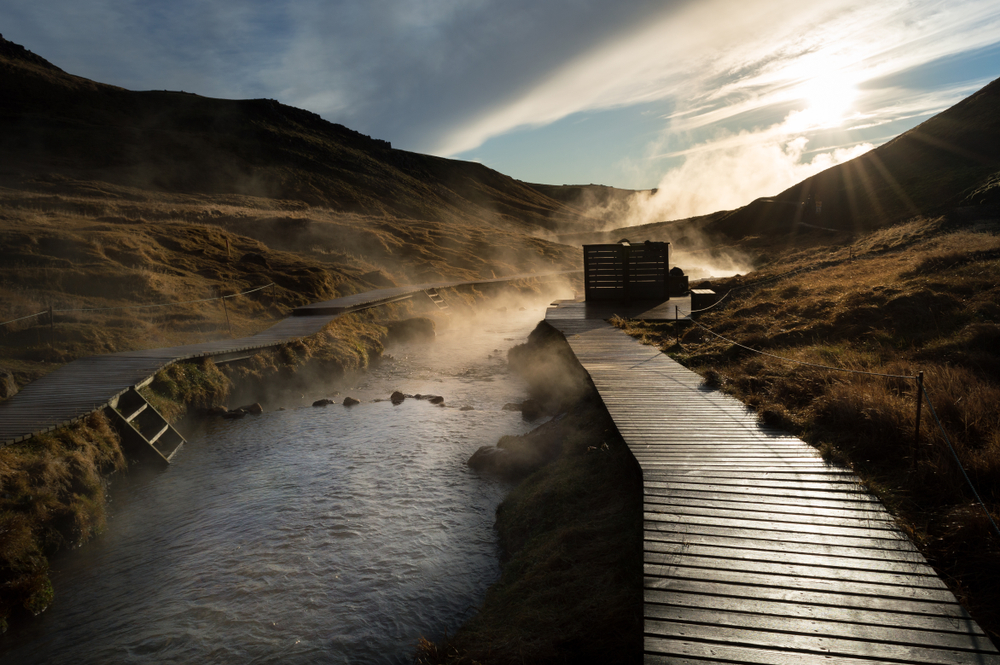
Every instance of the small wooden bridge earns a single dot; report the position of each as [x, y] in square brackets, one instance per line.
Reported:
[84, 386]
[755, 550]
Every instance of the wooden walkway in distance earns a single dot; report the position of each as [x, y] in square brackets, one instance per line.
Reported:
[755, 550]
[84, 386]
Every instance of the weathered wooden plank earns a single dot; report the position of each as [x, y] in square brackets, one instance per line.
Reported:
[751, 512]
[826, 506]
[663, 562]
[851, 633]
[676, 529]
[808, 607]
[658, 576]
[802, 529]
[749, 491]
[818, 645]
[681, 651]
[664, 651]
[784, 552]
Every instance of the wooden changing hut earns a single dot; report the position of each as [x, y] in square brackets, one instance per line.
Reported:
[624, 271]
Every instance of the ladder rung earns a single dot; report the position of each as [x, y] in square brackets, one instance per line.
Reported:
[142, 408]
[153, 439]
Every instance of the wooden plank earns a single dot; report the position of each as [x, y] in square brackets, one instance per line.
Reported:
[820, 646]
[792, 551]
[704, 598]
[749, 513]
[851, 633]
[663, 563]
[659, 576]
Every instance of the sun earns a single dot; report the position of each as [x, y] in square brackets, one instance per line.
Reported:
[829, 101]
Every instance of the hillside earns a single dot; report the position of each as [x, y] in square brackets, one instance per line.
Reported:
[949, 162]
[175, 142]
[117, 199]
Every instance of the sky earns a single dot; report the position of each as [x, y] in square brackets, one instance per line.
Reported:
[713, 102]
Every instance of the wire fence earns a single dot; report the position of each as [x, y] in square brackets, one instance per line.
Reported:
[921, 396]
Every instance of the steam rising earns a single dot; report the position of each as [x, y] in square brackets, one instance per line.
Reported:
[731, 175]
[728, 174]
[721, 175]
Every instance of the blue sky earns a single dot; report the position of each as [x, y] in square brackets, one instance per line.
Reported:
[715, 102]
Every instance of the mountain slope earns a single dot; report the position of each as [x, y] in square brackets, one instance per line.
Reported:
[51, 121]
[948, 161]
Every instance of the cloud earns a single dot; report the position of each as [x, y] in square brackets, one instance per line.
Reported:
[720, 59]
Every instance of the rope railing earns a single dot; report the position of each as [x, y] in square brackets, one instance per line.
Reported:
[793, 360]
[120, 307]
[748, 286]
[30, 316]
[954, 454]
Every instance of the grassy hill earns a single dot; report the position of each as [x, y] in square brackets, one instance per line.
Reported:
[949, 162]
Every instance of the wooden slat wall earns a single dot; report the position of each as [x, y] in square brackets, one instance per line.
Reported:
[626, 272]
[648, 271]
[604, 272]
[757, 551]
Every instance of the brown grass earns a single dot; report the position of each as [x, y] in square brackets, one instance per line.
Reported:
[76, 245]
[51, 496]
[916, 297]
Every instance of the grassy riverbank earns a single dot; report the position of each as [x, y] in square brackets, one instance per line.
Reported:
[570, 533]
[922, 296]
[52, 498]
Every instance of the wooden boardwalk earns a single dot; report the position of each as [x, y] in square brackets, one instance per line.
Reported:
[755, 550]
[84, 386]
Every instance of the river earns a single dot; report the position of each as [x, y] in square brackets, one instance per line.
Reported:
[309, 535]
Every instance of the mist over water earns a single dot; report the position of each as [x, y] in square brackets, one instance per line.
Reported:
[311, 535]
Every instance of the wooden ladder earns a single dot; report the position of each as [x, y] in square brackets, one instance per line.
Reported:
[146, 435]
[438, 300]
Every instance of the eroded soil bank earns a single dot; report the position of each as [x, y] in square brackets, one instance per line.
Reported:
[570, 532]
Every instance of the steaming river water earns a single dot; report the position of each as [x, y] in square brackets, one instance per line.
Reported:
[311, 535]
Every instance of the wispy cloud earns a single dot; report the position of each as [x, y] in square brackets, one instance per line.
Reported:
[720, 59]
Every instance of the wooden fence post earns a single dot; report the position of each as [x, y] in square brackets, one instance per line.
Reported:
[916, 429]
[228, 324]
